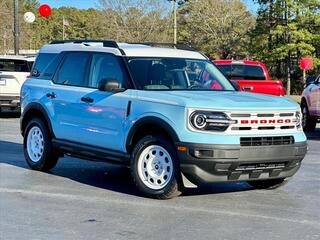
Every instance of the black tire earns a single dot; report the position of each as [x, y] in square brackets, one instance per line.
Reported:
[268, 184]
[308, 123]
[172, 188]
[49, 157]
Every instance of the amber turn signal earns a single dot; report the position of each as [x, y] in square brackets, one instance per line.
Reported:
[182, 148]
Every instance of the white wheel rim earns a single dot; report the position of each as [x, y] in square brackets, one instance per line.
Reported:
[155, 167]
[35, 144]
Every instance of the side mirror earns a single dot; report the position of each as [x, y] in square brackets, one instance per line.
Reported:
[235, 85]
[109, 85]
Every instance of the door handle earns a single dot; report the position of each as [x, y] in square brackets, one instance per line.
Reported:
[51, 95]
[87, 99]
[247, 88]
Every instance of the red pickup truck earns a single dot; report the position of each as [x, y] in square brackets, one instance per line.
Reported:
[251, 76]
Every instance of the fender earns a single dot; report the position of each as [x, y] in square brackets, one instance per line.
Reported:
[151, 120]
[37, 107]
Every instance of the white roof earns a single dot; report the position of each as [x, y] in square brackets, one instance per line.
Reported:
[18, 57]
[57, 48]
[130, 50]
[140, 50]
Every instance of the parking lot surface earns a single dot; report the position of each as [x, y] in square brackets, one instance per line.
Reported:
[88, 200]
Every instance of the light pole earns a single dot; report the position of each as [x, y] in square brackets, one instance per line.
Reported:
[174, 22]
[16, 27]
[174, 5]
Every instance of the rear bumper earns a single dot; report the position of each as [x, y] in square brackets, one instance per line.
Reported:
[9, 101]
[202, 163]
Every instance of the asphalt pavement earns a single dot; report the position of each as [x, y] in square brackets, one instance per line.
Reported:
[88, 200]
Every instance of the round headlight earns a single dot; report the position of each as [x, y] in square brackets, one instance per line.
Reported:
[199, 120]
[210, 121]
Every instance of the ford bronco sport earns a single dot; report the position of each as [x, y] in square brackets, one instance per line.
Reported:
[151, 108]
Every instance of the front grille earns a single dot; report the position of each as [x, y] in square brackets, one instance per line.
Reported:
[262, 121]
[266, 141]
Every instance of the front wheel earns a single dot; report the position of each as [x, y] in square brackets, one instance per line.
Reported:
[268, 184]
[155, 168]
[38, 150]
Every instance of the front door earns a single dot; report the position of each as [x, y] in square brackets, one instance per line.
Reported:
[105, 112]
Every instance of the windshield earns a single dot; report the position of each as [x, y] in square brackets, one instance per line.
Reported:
[177, 74]
[9, 65]
[242, 72]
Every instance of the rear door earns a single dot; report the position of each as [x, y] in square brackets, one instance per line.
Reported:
[69, 85]
[12, 75]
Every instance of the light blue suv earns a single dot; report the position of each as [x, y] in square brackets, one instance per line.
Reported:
[168, 114]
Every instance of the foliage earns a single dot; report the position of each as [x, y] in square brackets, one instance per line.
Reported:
[287, 30]
[217, 27]
[221, 27]
[137, 20]
[84, 23]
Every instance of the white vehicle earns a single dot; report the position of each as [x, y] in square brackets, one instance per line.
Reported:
[14, 70]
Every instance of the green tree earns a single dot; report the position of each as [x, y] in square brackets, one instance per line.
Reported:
[218, 27]
[286, 30]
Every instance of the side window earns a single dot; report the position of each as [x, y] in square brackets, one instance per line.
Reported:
[45, 65]
[106, 67]
[73, 70]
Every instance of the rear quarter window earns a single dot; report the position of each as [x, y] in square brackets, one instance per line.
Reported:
[45, 65]
[10, 65]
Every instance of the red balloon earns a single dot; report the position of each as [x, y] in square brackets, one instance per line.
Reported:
[45, 10]
[306, 63]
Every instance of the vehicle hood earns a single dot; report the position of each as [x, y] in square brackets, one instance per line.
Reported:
[262, 82]
[223, 100]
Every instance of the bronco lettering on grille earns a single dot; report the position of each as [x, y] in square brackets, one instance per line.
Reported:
[264, 121]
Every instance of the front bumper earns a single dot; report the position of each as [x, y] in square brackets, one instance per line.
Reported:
[203, 163]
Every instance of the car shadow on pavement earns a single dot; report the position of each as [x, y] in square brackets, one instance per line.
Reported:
[103, 175]
[9, 114]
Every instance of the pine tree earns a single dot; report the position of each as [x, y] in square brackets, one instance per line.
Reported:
[287, 30]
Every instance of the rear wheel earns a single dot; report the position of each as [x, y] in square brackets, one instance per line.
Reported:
[308, 122]
[38, 150]
[155, 168]
[268, 184]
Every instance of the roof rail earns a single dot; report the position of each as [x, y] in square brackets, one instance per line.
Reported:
[181, 46]
[106, 43]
